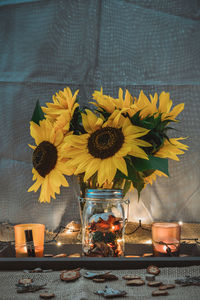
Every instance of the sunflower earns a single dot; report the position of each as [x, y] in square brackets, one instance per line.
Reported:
[102, 149]
[48, 167]
[171, 148]
[103, 101]
[116, 107]
[110, 104]
[63, 103]
[151, 178]
[149, 107]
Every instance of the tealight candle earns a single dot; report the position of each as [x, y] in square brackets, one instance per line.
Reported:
[166, 239]
[29, 240]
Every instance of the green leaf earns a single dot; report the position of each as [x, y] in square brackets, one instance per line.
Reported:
[133, 175]
[38, 114]
[127, 186]
[154, 163]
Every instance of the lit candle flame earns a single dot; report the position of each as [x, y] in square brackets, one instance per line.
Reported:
[59, 244]
[180, 223]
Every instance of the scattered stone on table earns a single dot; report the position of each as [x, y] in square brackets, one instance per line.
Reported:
[108, 277]
[150, 277]
[91, 275]
[154, 283]
[48, 255]
[98, 279]
[167, 287]
[102, 275]
[183, 255]
[77, 269]
[47, 295]
[153, 270]
[27, 288]
[25, 281]
[188, 280]
[135, 282]
[110, 293]
[160, 293]
[60, 255]
[70, 275]
[37, 270]
[130, 277]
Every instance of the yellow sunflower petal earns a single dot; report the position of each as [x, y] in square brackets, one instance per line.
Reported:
[120, 164]
[138, 152]
[164, 102]
[35, 186]
[176, 110]
[91, 168]
[33, 147]
[57, 137]
[44, 193]
[171, 149]
[36, 133]
[106, 172]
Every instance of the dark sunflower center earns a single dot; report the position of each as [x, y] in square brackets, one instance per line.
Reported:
[44, 158]
[105, 142]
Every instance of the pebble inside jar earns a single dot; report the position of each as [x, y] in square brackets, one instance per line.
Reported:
[103, 224]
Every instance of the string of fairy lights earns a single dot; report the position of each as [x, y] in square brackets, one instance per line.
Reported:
[68, 230]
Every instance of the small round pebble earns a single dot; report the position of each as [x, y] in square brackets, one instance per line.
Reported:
[47, 295]
[69, 275]
[154, 283]
[25, 281]
[167, 287]
[135, 282]
[130, 277]
[99, 279]
[160, 293]
[153, 270]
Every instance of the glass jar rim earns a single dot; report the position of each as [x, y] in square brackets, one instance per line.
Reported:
[165, 224]
[104, 194]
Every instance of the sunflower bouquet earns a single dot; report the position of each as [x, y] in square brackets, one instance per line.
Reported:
[122, 142]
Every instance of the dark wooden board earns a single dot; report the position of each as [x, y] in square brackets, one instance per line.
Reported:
[9, 262]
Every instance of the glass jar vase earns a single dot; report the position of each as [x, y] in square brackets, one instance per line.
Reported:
[103, 223]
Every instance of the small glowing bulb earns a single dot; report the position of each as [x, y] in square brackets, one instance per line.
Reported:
[120, 240]
[165, 248]
[59, 244]
[148, 242]
[180, 223]
[113, 227]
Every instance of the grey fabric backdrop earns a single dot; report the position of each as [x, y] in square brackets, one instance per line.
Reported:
[46, 45]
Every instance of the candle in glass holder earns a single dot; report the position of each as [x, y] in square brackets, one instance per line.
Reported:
[29, 240]
[166, 239]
